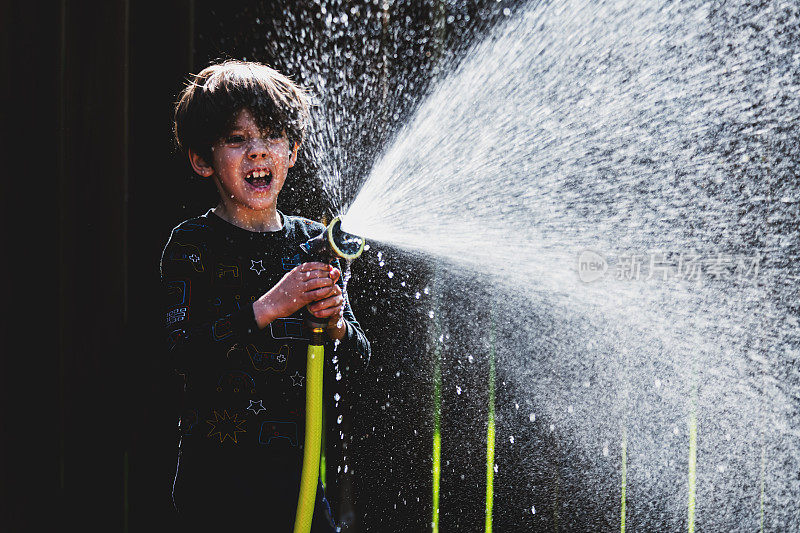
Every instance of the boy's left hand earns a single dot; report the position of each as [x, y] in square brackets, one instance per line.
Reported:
[331, 308]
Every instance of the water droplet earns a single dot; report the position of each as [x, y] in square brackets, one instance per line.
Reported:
[533, 509]
[511, 439]
[532, 417]
[430, 314]
[458, 389]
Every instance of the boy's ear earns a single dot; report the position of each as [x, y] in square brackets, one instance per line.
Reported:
[293, 157]
[199, 164]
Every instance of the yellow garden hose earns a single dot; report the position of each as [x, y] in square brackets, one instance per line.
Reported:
[329, 245]
[313, 440]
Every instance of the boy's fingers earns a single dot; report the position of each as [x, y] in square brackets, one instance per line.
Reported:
[311, 274]
[315, 265]
[327, 312]
[317, 283]
[319, 294]
[327, 303]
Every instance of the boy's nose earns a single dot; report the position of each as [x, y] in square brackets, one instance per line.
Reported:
[258, 148]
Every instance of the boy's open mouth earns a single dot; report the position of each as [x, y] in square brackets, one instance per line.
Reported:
[259, 178]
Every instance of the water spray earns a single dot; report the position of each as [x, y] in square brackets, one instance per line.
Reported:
[331, 244]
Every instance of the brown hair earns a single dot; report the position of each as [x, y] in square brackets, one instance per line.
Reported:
[208, 105]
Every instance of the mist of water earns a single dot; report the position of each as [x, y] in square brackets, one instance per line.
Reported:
[656, 142]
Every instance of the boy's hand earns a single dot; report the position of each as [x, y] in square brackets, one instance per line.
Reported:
[304, 284]
[332, 308]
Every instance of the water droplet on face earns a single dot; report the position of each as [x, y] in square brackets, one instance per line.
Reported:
[533, 509]
[511, 439]
[416, 296]
[390, 274]
[336, 397]
[430, 314]
[458, 389]
[426, 290]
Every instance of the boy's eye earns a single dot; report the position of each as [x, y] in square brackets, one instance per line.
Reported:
[234, 139]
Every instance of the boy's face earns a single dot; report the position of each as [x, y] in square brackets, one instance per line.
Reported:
[249, 166]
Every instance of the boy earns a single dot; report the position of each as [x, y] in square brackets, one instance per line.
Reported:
[237, 284]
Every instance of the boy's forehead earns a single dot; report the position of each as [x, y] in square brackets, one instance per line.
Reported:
[244, 119]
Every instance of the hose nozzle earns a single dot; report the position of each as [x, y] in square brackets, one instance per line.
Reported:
[333, 243]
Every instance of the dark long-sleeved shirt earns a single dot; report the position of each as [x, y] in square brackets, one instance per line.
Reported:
[243, 421]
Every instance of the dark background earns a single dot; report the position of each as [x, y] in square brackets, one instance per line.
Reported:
[92, 186]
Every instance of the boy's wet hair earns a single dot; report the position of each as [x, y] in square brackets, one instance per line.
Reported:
[207, 107]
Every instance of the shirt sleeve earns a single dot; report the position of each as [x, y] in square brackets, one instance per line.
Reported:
[354, 342]
[186, 288]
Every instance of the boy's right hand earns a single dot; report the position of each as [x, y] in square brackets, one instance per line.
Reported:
[300, 286]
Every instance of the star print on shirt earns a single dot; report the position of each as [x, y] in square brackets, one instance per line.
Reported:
[226, 427]
[260, 268]
[297, 379]
[256, 407]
